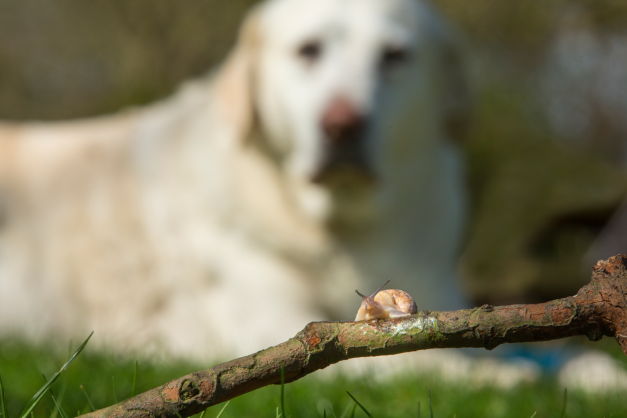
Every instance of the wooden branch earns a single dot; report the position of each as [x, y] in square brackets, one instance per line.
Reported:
[599, 308]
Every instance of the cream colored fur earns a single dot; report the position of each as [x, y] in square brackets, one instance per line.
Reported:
[192, 226]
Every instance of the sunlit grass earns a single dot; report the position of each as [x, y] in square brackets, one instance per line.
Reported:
[89, 386]
[36, 399]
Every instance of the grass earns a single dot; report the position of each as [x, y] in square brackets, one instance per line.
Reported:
[88, 386]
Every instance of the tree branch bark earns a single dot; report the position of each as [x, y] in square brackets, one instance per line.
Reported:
[598, 309]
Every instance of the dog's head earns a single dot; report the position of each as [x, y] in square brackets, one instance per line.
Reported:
[344, 94]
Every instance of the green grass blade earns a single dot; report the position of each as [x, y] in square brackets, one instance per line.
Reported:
[430, 403]
[177, 414]
[348, 408]
[563, 414]
[360, 405]
[221, 410]
[202, 414]
[65, 377]
[41, 392]
[353, 411]
[332, 412]
[534, 414]
[135, 382]
[283, 391]
[3, 401]
[115, 397]
[55, 411]
[278, 414]
[60, 397]
[63, 388]
[58, 406]
[91, 405]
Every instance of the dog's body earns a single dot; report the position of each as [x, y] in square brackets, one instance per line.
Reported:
[318, 159]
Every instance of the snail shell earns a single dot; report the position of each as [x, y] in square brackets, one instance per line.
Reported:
[389, 303]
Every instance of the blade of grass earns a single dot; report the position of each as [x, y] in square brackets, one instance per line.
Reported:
[221, 410]
[135, 382]
[202, 414]
[353, 411]
[563, 414]
[277, 412]
[534, 414]
[91, 405]
[348, 408]
[360, 405]
[115, 397]
[54, 398]
[283, 391]
[55, 411]
[430, 403]
[332, 412]
[61, 411]
[41, 392]
[66, 376]
[63, 388]
[3, 401]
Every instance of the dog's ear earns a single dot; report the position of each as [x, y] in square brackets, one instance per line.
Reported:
[235, 80]
[451, 68]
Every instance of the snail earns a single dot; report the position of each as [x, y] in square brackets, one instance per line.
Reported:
[390, 303]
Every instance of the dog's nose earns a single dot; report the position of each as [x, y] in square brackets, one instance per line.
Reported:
[342, 121]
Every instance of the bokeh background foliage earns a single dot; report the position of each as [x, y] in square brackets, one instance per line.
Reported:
[68, 58]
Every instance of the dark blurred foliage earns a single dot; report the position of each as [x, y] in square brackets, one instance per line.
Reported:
[526, 26]
[547, 149]
[70, 58]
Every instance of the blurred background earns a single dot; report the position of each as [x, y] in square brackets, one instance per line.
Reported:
[547, 154]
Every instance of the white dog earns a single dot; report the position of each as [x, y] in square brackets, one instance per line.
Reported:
[320, 158]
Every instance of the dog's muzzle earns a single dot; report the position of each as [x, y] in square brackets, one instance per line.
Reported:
[343, 148]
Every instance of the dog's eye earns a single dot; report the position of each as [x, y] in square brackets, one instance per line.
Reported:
[392, 56]
[310, 50]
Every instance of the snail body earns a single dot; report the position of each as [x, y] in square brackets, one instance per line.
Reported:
[391, 303]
